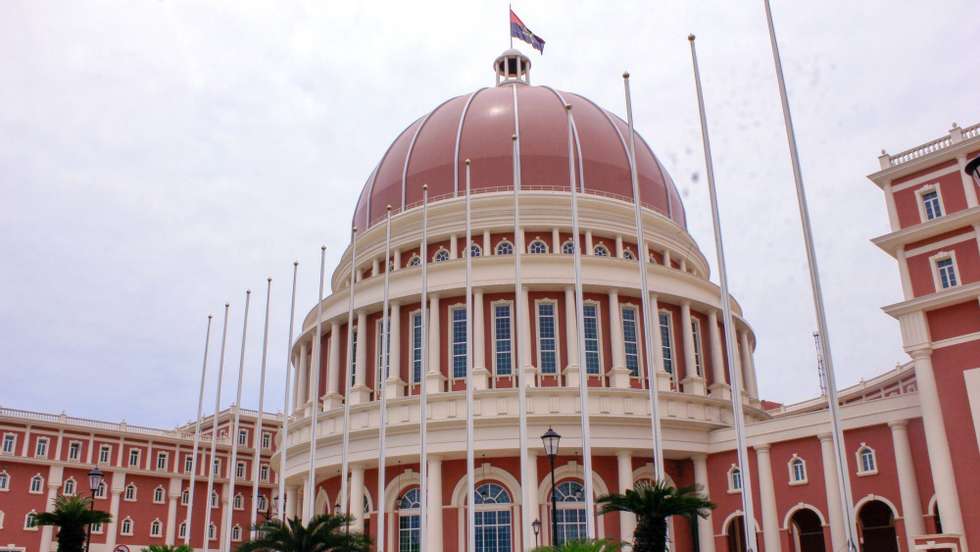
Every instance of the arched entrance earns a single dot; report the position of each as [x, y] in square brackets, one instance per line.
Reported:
[877, 527]
[806, 531]
[735, 534]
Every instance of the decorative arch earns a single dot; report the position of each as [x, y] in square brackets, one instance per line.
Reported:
[484, 473]
[441, 255]
[538, 247]
[731, 517]
[802, 506]
[871, 498]
[568, 247]
[646, 472]
[571, 470]
[70, 487]
[601, 250]
[504, 247]
[414, 260]
[398, 485]
[321, 504]
[628, 254]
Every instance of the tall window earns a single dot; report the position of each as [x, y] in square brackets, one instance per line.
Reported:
[126, 527]
[238, 502]
[185, 497]
[41, 447]
[866, 460]
[214, 500]
[504, 248]
[242, 437]
[537, 247]
[734, 479]
[182, 530]
[630, 340]
[104, 452]
[667, 341]
[240, 470]
[947, 272]
[4, 481]
[266, 440]
[130, 493]
[409, 509]
[930, 202]
[592, 358]
[797, 470]
[502, 349]
[211, 531]
[458, 316]
[74, 450]
[353, 353]
[158, 495]
[216, 466]
[37, 484]
[570, 499]
[9, 442]
[236, 532]
[134, 457]
[380, 367]
[264, 472]
[30, 521]
[547, 342]
[698, 356]
[162, 461]
[69, 487]
[100, 491]
[156, 528]
[417, 347]
[493, 519]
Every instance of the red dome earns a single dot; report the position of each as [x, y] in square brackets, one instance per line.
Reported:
[479, 126]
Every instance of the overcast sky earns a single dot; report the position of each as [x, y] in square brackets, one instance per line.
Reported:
[158, 157]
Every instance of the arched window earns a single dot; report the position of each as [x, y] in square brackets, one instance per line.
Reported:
[867, 463]
[158, 495]
[415, 260]
[37, 484]
[126, 527]
[475, 250]
[628, 255]
[214, 499]
[600, 250]
[30, 521]
[537, 247]
[734, 479]
[129, 494]
[236, 532]
[69, 489]
[797, 471]
[211, 531]
[260, 502]
[568, 248]
[156, 528]
[238, 502]
[182, 530]
[493, 519]
[4, 481]
[441, 255]
[570, 499]
[185, 497]
[409, 509]
[504, 248]
[100, 490]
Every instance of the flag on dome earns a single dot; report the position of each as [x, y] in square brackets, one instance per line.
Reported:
[520, 31]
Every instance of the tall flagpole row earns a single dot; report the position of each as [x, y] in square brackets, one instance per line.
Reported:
[847, 501]
[284, 443]
[383, 374]
[348, 374]
[726, 303]
[310, 494]
[197, 436]
[423, 370]
[470, 443]
[214, 433]
[257, 433]
[650, 321]
[236, 419]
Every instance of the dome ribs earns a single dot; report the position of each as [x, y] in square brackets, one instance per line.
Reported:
[459, 134]
[411, 148]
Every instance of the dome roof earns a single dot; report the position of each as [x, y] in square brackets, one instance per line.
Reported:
[479, 126]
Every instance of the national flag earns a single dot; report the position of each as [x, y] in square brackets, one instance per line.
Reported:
[520, 31]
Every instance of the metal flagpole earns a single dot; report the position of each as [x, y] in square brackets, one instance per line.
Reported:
[257, 435]
[310, 496]
[580, 321]
[847, 501]
[384, 371]
[214, 434]
[650, 321]
[197, 436]
[509, 11]
[348, 374]
[284, 443]
[470, 445]
[748, 514]
[236, 417]
[423, 370]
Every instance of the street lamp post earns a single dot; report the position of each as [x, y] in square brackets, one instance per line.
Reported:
[94, 482]
[550, 440]
[536, 525]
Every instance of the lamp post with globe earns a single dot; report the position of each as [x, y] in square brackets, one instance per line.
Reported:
[95, 478]
[550, 440]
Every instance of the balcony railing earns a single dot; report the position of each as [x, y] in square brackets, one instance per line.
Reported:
[955, 136]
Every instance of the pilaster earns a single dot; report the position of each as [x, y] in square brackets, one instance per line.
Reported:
[767, 496]
[907, 485]
[333, 398]
[706, 537]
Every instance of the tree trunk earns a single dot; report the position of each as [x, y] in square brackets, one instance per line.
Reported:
[650, 535]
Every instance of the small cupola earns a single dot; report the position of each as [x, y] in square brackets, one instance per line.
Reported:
[512, 67]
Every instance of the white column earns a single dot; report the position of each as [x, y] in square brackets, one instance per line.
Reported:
[397, 259]
[619, 375]
[907, 485]
[453, 248]
[555, 241]
[394, 383]
[54, 481]
[624, 474]
[663, 378]
[487, 246]
[118, 483]
[531, 499]
[307, 514]
[291, 496]
[173, 493]
[588, 243]
[838, 535]
[706, 535]
[767, 492]
[361, 392]
[940, 461]
[333, 399]
[719, 389]
[667, 258]
[374, 267]
[522, 329]
[571, 339]
[693, 382]
[357, 497]
[434, 379]
[619, 246]
[481, 374]
[434, 505]
[303, 388]
[748, 366]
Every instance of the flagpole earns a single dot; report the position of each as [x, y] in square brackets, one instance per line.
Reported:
[748, 514]
[580, 320]
[846, 498]
[257, 434]
[310, 496]
[510, 34]
[380, 378]
[214, 433]
[197, 436]
[649, 320]
[236, 417]
[470, 445]
[347, 373]
[423, 370]
[284, 442]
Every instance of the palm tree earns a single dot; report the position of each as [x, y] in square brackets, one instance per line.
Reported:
[583, 546]
[325, 533]
[72, 515]
[168, 548]
[653, 503]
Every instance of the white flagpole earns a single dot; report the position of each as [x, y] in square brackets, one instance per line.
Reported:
[348, 374]
[748, 511]
[650, 321]
[380, 378]
[580, 321]
[197, 436]
[236, 417]
[284, 443]
[310, 496]
[470, 441]
[846, 498]
[423, 370]
[257, 436]
[214, 434]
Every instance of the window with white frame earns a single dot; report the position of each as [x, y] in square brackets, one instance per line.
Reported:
[214, 499]
[266, 440]
[4, 481]
[240, 470]
[537, 247]
[126, 527]
[97, 528]
[134, 457]
[353, 353]
[100, 491]
[236, 532]
[629, 255]
[593, 357]
[667, 340]
[211, 532]
[415, 260]
[797, 471]
[74, 451]
[600, 250]
[41, 447]
[188, 463]
[380, 347]
[37, 484]
[441, 255]
[505, 247]
[946, 274]
[9, 443]
[68, 488]
[568, 248]
[162, 458]
[260, 503]
[238, 502]
[570, 502]
[129, 494]
[547, 338]
[409, 516]
[185, 497]
[457, 330]
[30, 521]
[698, 351]
[503, 350]
[932, 204]
[182, 530]
[867, 461]
[156, 528]
[105, 452]
[630, 339]
[216, 466]
[493, 519]
[475, 250]
[734, 479]
[264, 472]
[159, 495]
[242, 437]
[417, 346]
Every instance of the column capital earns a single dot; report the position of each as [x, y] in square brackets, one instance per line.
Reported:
[898, 424]
[762, 448]
[920, 352]
[623, 453]
[699, 457]
[825, 437]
